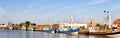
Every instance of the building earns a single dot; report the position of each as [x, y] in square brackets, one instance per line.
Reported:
[3, 25]
[91, 24]
[117, 23]
[55, 25]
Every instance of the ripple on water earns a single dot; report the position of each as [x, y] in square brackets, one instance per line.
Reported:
[24, 34]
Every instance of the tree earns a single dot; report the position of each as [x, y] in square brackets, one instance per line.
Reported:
[97, 25]
[22, 24]
[27, 24]
[33, 24]
[106, 26]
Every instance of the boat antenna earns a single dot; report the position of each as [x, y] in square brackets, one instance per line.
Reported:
[107, 18]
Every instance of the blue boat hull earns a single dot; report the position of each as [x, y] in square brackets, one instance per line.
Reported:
[69, 31]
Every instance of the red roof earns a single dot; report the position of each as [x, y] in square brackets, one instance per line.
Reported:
[116, 21]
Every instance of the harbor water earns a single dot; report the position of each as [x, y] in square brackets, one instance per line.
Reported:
[25, 34]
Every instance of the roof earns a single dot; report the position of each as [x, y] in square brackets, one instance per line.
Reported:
[117, 21]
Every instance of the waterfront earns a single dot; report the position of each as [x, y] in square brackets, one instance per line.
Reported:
[25, 34]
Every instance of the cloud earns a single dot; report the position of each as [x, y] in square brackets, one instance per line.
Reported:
[26, 12]
[114, 7]
[83, 10]
[2, 12]
[22, 15]
[30, 6]
[94, 2]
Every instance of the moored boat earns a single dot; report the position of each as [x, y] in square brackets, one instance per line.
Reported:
[102, 33]
[70, 28]
[49, 30]
[70, 31]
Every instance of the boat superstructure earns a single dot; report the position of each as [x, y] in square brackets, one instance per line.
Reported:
[71, 27]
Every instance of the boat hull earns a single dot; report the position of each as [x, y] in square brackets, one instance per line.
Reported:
[72, 31]
[102, 33]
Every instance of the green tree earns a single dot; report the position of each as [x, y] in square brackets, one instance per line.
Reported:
[33, 24]
[27, 24]
[106, 26]
[21, 24]
[97, 25]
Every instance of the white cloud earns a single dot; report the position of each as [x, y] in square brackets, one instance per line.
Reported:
[2, 12]
[114, 7]
[25, 12]
[97, 2]
[21, 15]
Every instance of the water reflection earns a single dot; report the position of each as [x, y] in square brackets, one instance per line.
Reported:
[24, 34]
[10, 34]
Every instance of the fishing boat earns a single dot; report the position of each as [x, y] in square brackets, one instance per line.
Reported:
[30, 28]
[70, 31]
[92, 31]
[102, 33]
[70, 28]
[49, 30]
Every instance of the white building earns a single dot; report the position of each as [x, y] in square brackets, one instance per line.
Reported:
[3, 25]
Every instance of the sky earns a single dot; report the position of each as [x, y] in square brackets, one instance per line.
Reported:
[57, 11]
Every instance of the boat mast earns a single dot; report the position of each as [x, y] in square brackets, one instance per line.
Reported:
[91, 21]
[107, 18]
[71, 20]
[51, 22]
